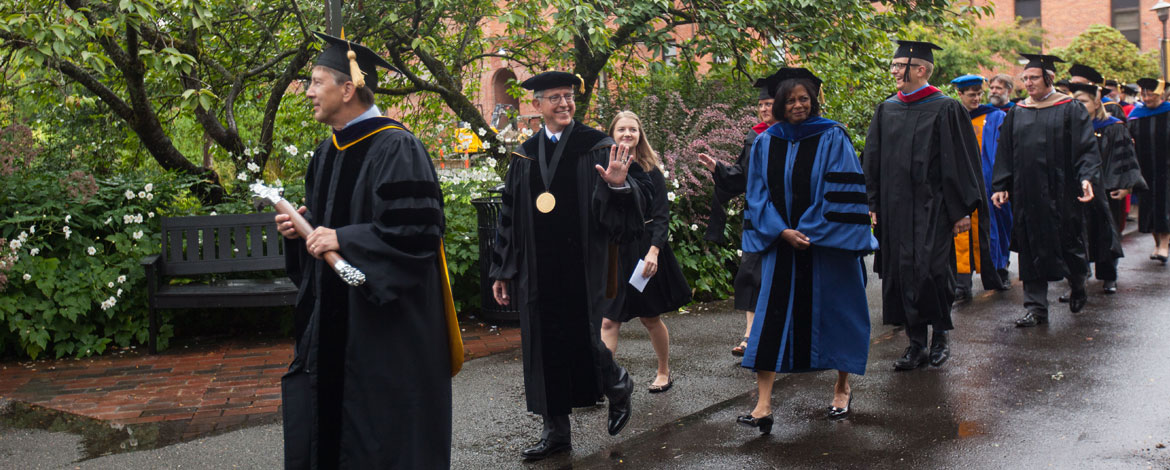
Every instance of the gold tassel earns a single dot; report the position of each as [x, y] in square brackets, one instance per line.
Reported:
[581, 86]
[821, 94]
[355, 72]
[1161, 88]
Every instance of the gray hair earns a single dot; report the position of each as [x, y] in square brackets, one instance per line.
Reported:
[1006, 80]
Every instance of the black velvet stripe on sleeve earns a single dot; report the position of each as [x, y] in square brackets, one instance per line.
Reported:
[846, 197]
[405, 189]
[411, 216]
[847, 218]
[417, 244]
[845, 177]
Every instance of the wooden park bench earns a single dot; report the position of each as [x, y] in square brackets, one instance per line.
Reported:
[218, 244]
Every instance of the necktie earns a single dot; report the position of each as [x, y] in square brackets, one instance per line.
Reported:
[553, 138]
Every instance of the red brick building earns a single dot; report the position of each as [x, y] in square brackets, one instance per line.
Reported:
[1063, 20]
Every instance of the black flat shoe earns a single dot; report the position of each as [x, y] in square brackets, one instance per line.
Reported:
[544, 449]
[764, 423]
[913, 358]
[661, 388]
[1077, 303]
[841, 413]
[1160, 258]
[1030, 319]
[1110, 287]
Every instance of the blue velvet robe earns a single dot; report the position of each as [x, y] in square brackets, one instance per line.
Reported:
[812, 313]
[1000, 229]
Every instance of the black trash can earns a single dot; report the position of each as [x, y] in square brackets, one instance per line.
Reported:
[487, 215]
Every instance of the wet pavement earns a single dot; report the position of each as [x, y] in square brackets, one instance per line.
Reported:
[1088, 390]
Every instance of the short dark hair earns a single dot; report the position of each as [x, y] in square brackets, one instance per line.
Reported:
[364, 94]
[972, 87]
[786, 88]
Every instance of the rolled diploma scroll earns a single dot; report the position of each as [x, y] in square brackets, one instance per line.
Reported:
[348, 273]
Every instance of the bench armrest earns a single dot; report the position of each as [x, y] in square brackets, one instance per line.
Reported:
[150, 260]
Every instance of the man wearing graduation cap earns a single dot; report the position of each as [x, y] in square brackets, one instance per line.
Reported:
[730, 182]
[986, 246]
[570, 194]
[923, 182]
[370, 381]
[1149, 124]
[1083, 74]
[1047, 164]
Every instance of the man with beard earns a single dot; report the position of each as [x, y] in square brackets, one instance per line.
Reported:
[999, 91]
[922, 183]
[984, 248]
[567, 200]
[1047, 163]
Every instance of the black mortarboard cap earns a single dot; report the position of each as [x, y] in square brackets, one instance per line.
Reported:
[336, 57]
[1148, 84]
[765, 93]
[1085, 87]
[1063, 83]
[1130, 89]
[1112, 84]
[916, 50]
[1043, 61]
[1088, 73]
[772, 82]
[546, 80]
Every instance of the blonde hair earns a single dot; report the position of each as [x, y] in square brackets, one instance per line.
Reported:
[1098, 114]
[643, 154]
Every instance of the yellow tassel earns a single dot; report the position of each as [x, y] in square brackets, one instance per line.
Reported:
[355, 72]
[581, 86]
[821, 94]
[1161, 87]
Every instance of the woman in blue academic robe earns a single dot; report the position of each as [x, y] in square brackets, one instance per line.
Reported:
[806, 200]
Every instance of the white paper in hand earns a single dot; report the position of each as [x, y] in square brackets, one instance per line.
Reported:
[636, 278]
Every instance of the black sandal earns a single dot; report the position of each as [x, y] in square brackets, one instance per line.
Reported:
[739, 350]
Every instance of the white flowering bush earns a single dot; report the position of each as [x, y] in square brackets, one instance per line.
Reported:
[70, 279]
[461, 186]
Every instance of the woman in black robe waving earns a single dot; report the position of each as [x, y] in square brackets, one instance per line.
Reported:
[667, 288]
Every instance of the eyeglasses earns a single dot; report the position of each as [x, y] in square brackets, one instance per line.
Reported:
[558, 99]
[1031, 78]
[899, 66]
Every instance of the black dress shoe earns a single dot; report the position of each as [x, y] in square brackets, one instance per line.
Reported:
[1003, 276]
[619, 406]
[940, 350]
[1076, 303]
[1031, 319]
[841, 413]
[764, 423]
[1063, 299]
[1110, 287]
[913, 358]
[962, 295]
[544, 448]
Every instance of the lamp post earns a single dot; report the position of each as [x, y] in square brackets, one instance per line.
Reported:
[1162, 8]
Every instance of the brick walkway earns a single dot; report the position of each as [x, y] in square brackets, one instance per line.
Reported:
[196, 390]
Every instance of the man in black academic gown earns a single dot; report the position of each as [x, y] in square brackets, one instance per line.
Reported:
[1085, 75]
[370, 381]
[567, 200]
[923, 181]
[1047, 162]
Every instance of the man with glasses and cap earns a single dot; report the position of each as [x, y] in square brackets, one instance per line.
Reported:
[923, 182]
[985, 247]
[1046, 165]
[570, 196]
[370, 381]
